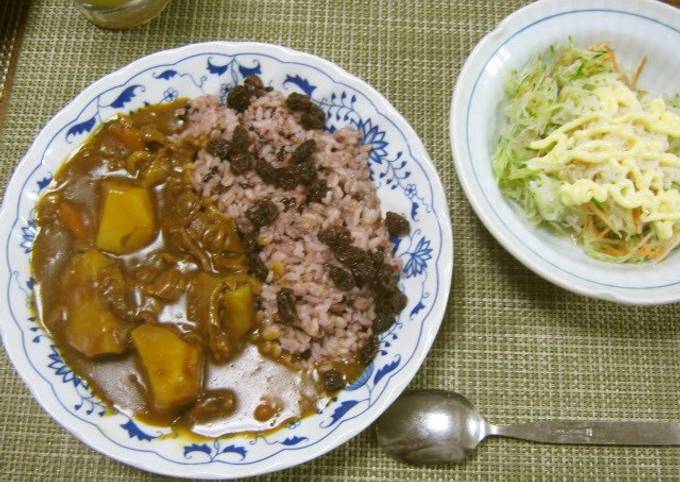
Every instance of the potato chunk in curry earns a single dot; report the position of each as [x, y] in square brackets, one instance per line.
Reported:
[239, 305]
[92, 328]
[173, 368]
[94, 331]
[128, 221]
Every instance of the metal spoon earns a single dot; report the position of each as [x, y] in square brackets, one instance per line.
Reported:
[439, 427]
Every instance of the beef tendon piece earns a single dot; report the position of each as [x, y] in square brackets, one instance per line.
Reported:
[333, 380]
[213, 405]
[397, 225]
[204, 300]
[169, 285]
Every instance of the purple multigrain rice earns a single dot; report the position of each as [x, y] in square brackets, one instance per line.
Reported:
[331, 324]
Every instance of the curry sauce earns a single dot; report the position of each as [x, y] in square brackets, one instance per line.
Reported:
[145, 287]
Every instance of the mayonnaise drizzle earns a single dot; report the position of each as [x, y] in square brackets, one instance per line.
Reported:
[621, 144]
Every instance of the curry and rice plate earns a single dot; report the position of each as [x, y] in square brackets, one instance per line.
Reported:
[223, 268]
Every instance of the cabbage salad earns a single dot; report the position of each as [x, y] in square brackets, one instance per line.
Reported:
[586, 152]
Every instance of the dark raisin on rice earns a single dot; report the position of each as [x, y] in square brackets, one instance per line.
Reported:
[241, 162]
[256, 266]
[288, 203]
[298, 102]
[343, 279]
[333, 380]
[368, 268]
[306, 171]
[240, 140]
[359, 263]
[286, 177]
[252, 247]
[313, 119]
[317, 191]
[250, 242]
[389, 301]
[219, 148]
[313, 116]
[378, 257]
[301, 171]
[285, 304]
[262, 213]
[396, 224]
[335, 236]
[304, 151]
[255, 86]
[266, 171]
[368, 350]
[238, 98]
[253, 83]
[383, 322]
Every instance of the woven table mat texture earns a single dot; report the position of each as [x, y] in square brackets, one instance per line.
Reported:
[518, 347]
[10, 33]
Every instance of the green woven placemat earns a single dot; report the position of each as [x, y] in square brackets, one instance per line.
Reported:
[518, 347]
[10, 33]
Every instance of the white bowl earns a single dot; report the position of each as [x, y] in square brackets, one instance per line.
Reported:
[407, 182]
[634, 29]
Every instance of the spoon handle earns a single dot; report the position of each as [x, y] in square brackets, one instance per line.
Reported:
[583, 432]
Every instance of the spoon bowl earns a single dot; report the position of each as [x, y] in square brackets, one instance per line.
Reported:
[431, 427]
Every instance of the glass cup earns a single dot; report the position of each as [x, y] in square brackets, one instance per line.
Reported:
[119, 14]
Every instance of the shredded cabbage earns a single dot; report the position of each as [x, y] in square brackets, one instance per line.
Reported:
[585, 152]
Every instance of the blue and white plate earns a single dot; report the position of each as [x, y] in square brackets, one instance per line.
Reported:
[407, 183]
[635, 29]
